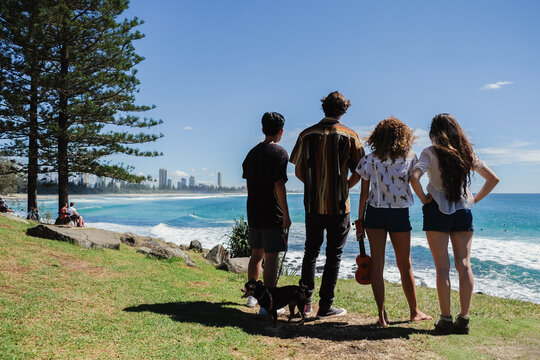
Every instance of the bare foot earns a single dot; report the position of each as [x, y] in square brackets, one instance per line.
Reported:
[420, 316]
[383, 320]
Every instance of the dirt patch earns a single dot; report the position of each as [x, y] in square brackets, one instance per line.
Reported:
[197, 284]
[4, 226]
[354, 336]
[74, 264]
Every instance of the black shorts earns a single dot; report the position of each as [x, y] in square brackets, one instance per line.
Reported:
[435, 220]
[271, 240]
[393, 220]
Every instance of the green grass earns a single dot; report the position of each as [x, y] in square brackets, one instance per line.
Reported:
[64, 302]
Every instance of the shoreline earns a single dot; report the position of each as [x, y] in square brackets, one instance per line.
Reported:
[89, 196]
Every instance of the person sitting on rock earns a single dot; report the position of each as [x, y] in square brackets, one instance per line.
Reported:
[74, 215]
[4, 208]
[63, 216]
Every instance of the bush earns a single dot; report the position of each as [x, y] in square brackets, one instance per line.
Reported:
[238, 244]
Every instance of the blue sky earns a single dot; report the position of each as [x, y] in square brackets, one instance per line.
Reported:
[213, 68]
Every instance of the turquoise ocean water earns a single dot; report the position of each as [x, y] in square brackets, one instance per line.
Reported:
[505, 250]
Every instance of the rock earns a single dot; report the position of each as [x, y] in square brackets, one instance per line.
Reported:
[84, 237]
[319, 268]
[236, 265]
[129, 239]
[162, 250]
[218, 254]
[144, 250]
[195, 245]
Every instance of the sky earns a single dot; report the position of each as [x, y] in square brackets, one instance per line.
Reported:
[212, 68]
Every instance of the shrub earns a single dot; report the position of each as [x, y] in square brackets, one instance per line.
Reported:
[238, 244]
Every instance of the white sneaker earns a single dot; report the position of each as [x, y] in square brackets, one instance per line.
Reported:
[251, 302]
[262, 311]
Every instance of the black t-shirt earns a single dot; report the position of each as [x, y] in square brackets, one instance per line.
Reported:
[264, 165]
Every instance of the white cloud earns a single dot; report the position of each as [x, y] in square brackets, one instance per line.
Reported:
[514, 153]
[204, 169]
[188, 128]
[180, 174]
[422, 139]
[496, 85]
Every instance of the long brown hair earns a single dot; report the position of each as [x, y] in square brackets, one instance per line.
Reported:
[455, 154]
[391, 139]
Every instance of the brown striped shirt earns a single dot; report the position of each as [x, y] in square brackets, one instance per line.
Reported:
[325, 153]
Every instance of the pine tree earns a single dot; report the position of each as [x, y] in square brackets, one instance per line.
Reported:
[23, 54]
[95, 83]
[86, 87]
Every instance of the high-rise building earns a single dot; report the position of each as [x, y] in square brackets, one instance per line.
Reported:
[162, 178]
[169, 183]
[184, 183]
[219, 180]
[192, 181]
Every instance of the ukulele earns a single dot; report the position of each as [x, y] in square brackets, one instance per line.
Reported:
[363, 261]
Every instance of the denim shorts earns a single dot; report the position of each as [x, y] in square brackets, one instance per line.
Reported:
[393, 220]
[435, 220]
[271, 240]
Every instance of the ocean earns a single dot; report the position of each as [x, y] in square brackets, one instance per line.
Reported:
[505, 248]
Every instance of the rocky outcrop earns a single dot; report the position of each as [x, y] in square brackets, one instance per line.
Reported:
[195, 245]
[156, 247]
[84, 237]
[130, 239]
[218, 254]
[237, 265]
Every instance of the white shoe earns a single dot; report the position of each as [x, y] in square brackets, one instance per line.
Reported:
[251, 302]
[262, 311]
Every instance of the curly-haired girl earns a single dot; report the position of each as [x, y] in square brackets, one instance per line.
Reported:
[447, 211]
[386, 192]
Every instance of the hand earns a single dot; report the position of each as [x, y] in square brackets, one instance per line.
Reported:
[428, 199]
[286, 222]
[359, 228]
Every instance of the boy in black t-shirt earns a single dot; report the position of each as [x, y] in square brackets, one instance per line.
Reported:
[265, 169]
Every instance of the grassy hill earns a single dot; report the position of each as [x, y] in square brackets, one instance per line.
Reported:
[59, 301]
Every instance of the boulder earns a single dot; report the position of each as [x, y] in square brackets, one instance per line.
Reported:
[129, 239]
[218, 254]
[162, 250]
[195, 245]
[84, 237]
[236, 265]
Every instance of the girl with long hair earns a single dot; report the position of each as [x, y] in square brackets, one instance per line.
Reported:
[386, 192]
[447, 211]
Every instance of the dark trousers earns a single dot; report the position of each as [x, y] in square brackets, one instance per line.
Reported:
[337, 227]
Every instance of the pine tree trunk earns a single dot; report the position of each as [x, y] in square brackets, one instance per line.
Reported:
[32, 149]
[63, 141]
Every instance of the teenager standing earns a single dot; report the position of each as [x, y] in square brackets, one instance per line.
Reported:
[324, 155]
[447, 211]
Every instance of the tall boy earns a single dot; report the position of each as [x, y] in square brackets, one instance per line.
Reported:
[324, 154]
[265, 169]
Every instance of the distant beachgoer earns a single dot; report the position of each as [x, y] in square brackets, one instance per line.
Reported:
[74, 215]
[386, 192]
[265, 170]
[323, 156]
[447, 211]
[33, 214]
[4, 208]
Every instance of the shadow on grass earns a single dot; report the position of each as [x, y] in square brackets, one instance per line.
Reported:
[227, 314]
